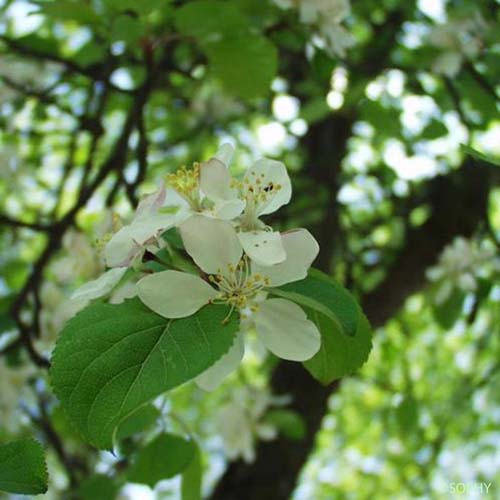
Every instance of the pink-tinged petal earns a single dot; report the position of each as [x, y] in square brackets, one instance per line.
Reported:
[174, 294]
[150, 203]
[128, 241]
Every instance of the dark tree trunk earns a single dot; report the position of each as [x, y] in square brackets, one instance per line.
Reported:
[458, 204]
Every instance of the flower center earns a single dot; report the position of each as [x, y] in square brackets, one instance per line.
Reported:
[237, 286]
[257, 194]
[187, 183]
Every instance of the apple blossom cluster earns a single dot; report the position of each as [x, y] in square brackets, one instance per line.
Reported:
[237, 257]
[327, 16]
[460, 266]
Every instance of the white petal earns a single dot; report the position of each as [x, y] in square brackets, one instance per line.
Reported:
[225, 153]
[211, 378]
[263, 247]
[215, 181]
[121, 248]
[174, 199]
[212, 243]
[174, 294]
[229, 210]
[301, 249]
[101, 286]
[285, 330]
[126, 291]
[273, 174]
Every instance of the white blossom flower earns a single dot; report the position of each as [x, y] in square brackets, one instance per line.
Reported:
[328, 16]
[167, 208]
[240, 422]
[234, 279]
[328, 11]
[80, 259]
[460, 264]
[129, 243]
[192, 197]
[264, 189]
[337, 38]
[210, 190]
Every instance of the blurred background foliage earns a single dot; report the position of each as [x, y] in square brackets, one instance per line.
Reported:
[374, 114]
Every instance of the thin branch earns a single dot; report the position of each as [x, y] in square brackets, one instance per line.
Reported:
[42, 95]
[115, 162]
[35, 226]
[481, 80]
[455, 97]
[96, 73]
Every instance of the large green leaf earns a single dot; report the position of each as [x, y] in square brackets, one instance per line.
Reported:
[345, 331]
[142, 419]
[210, 19]
[165, 457]
[245, 62]
[112, 359]
[22, 467]
[246, 65]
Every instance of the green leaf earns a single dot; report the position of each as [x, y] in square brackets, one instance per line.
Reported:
[245, 65]
[447, 313]
[22, 467]
[479, 156]
[345, 331]
[98, 486]
[192, 477]
[112, 359]
[142, 7]
[434, 130]
[407, 414]
[315, 110]
[165, 457]
[142, 419]
[173, 237]
[68, 10]
[288, 422]
[127, 29]
[210, 19]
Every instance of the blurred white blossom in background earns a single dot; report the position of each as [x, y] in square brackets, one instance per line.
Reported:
[327, 16]
[460, 265]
